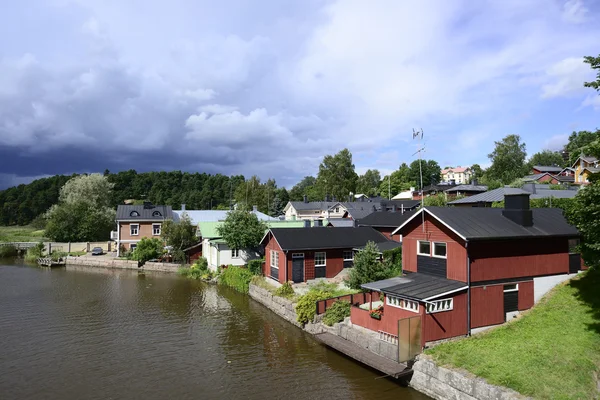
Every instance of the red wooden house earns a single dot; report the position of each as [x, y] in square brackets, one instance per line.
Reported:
[302, 254]
[469, 268]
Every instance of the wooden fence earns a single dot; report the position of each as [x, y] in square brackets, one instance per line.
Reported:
[355, 299]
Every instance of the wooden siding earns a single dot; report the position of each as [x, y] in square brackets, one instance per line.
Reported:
[273, 245]
[487, 305]
[334, 263]
[434, 232]
[145, 230]
[387, 232]
[525, 295]
[492, 260]
[388, 322]
[446, 324]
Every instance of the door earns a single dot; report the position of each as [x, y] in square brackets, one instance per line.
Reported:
[409, 338]
[298, 267]
[511, 300]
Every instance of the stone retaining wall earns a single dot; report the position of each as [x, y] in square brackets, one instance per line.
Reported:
[364, 338]
[162, 267]
[280, 306]
[103, 262]
[444, 384]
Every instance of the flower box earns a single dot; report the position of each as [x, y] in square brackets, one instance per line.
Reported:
[375, 315]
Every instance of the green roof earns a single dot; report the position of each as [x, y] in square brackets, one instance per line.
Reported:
[209, 229]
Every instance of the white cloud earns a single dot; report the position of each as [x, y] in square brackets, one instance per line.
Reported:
[592, 100]
[574, 11]
[217, 109]
[556, 142]
[565, 78]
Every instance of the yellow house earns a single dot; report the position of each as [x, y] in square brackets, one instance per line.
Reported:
[584, 166]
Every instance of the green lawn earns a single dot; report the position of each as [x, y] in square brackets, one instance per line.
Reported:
[21, 234]
[552, 352]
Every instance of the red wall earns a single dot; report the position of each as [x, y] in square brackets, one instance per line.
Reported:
[487, 303]
[273, 245]
[446, 324]
[455, 251]
[388, 322]
[525, 295]
[334, 263]
[549, 179]
[387, 232]
[518, 258]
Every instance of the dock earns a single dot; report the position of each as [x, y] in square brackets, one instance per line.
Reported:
[48, 262]
[388, 367]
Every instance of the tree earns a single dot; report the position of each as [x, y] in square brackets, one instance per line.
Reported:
[179, 235]
[508, 160]
[93, 189]
[368, 267]
[430, 169]
[477, 171]
[305, 187]
[594, 64]
[368, 183]
[242, 230]
[584, 215]
[546, 158]
[337, 176]
[398, 181]
[147, 249]
[579, 142]
[279, 202]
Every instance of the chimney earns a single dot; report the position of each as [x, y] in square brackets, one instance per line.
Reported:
[182, 206]
[529, 187]
[333, 198]
[327, 198]
[254, 208]
[393, 208]
[474, 182]
[305, 198]
[307, 223]
[148, 205]
[516, 208]
[374, 208]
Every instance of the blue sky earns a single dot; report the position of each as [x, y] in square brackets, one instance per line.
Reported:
[270, 87]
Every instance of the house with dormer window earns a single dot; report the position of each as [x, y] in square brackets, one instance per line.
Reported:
[135, 222]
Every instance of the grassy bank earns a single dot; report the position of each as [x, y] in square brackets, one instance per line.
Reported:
[552, 352]
[21, 234]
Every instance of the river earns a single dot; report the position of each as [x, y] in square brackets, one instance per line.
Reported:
[84, 333]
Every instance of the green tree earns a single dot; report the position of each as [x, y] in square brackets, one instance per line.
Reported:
[242, 230]
[147, 249]
[337, 176]
[584, 215]
[431, 172]
[369, 182]
[579, 142]
[179, 235]
[93, 189]
[437, 200]
[594, 64]
[398, 181]
[367, 267]
[508, 160]
[305, 187]
[546, 158]
[279, 202]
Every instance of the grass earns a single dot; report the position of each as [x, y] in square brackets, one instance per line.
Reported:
[551, 352]
[332, 288]
[21, 234]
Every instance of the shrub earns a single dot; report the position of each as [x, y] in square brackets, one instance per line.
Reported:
[33, 253]
[368, 267]
[147, 249]
[337, 312]
[198, 270]
[237, 278]
[306, 308]
[255, 266]
[8, 251]
[286, 290]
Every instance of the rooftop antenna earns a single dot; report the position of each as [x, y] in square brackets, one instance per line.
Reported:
[419, 135]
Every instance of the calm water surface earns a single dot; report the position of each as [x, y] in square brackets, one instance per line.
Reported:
[82, 333]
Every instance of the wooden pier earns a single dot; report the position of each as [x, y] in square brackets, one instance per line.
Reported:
[388, 367]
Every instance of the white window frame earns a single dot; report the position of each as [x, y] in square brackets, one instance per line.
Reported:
[137, 229]
[399, 302]
[441, 305]
[324, 258]
[337, 210]
[235, 253]
[516, 289]
[154, 229]
[419, 248]
[433, 250]
[344, 253]
[274, 259]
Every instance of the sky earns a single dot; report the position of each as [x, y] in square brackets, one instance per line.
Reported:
[269, 87]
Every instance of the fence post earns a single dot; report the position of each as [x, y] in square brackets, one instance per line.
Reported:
[49, 248]
[88, 247]
[69, 247]
[108, 247]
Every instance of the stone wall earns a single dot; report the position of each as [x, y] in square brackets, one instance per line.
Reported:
[280, 306]
[162, 267]
[445, 384]
[364, 338]
[103, 262]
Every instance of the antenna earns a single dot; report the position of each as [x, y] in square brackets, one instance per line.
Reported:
[419, 135]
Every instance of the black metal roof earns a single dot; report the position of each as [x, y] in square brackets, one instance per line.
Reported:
[547, 168]
[473, 223]
[385, 219]
[144, 212]
[384, 246]
[325, 238]
[416, 286]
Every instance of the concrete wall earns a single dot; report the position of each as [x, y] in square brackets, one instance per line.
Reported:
[364, 338]
[102, 262]
[162, 267]
[445, 384]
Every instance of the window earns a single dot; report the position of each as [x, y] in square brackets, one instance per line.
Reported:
[423, 248]
[156, 229]
[337, 209]
[573, 243]
[134, 229]
[348, 255]
[439, 306]
[274, 259]
[134, 214]
[156, 214]
[439, 249]
[511, 288]
[132, 246]
[235, 253]
[404, 304]
[320, 259]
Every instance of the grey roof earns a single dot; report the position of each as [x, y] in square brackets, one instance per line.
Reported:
[547, 168]
[593, 170]
[385, 219]
[197, 216]
[325, 238]
[467, 188]
[535, 177]
[561, 178]
[589, 159]
[155, 213]
[312, 205]
[416, 286]
[341, 222]
[384, 246]
[541, 192]
[474, 223]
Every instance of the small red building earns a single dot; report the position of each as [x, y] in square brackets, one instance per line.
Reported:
[551, 169]
[386, 222]
[302, 254]
[469, 268]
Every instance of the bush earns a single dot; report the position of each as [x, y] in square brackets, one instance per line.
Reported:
[147, 249]
[286, 290]
[337, 312]
[306, 308]
[393, 261]
[8, 251]
[33, 253]
[368, 267]
[237, 278]
[198, 270]
[255, 266]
